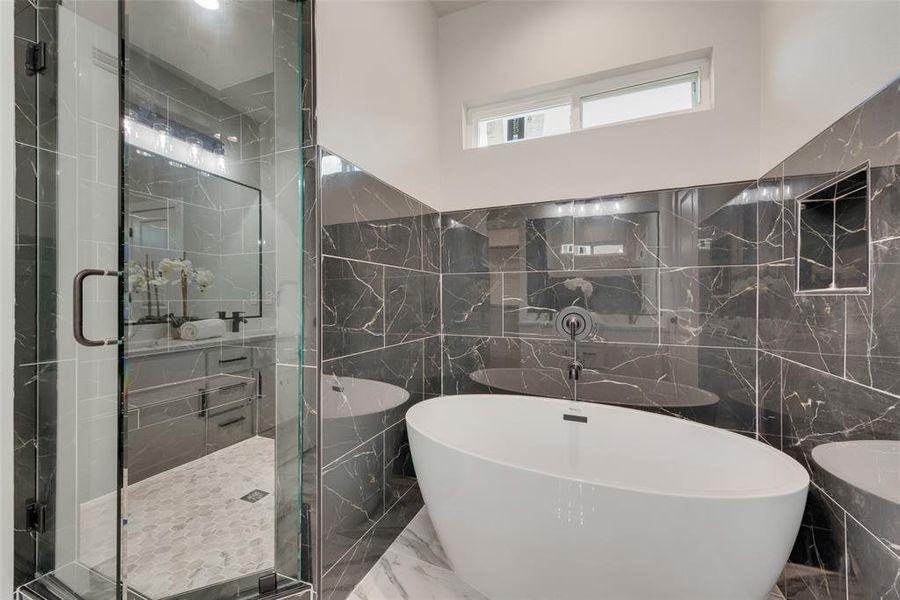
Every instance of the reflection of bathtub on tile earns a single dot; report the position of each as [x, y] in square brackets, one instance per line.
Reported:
[864, 477]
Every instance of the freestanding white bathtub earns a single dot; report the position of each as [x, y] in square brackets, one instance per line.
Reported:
[537, 498]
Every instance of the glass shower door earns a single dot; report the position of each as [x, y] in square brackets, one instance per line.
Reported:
[74, 517]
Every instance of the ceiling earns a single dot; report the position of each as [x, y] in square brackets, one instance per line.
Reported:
[445, 7]
[221, 48]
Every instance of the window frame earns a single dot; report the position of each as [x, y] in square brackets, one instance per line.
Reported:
[575, 92]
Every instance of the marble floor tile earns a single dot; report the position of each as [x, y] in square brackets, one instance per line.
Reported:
[189, 527]
[416, 568]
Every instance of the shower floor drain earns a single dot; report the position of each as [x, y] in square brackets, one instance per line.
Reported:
[254, 496]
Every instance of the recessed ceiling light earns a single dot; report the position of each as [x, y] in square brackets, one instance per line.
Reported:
[208, 4]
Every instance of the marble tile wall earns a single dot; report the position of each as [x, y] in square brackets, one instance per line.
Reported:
[380, 354]
[36, 360]
[828, 365]
[669, 278]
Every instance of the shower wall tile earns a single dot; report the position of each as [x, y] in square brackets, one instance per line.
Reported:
[709, 306]
[623, 302]
[771, 216]
[352, 499]
[25, 97]
[714, 386]
[712, 225]
[619, 231]
[352, 411]
[366, 219]
[381, 314]
[339, 581]
[874, 569]
[412, 305]
[499, 365]
[352, 307]
[472, 303]
[820, 409]
[516, 238]
[817, 567]
[808, 329]
[769, 382]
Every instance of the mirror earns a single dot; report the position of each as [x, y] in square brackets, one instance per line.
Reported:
[194, 242]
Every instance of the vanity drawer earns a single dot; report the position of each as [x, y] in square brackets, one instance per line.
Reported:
[229, 425]
[229, 359]
[223, 397]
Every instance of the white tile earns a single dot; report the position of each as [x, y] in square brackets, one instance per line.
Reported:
[397, 576]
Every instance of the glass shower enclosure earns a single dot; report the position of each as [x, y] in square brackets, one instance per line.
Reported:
[169, 312]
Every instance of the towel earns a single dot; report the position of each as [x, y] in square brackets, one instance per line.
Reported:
[202, 330]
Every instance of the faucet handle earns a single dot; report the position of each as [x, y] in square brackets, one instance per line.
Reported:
[222, 314]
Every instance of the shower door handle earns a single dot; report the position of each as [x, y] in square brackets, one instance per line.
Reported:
[78, 306]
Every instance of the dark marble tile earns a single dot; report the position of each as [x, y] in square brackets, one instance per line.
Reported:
[432, 349]
[311, 263]
[288, 76]
[26, 92]
[709, 306]
[474, 365]
[352, 307]
[353, 410]
[412, 304]
[339, 581]
[619, 231]
[623, 302]
[826, 418]
[530, 237]
[431, 241]
[472, 303]
[884, 194]
[352, 499]
[711, 225]
[769, 382]
[874, 568]
[864, 133]
[49, 101]
[873, 334]
[817, 570]
[25, 24]
[714, 386]
[771, 216]
[808, 329]
[399, 473]
[366, 219]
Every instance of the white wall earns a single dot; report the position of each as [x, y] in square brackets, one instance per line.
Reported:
[820, 60]
[500, 47]
[377, 89]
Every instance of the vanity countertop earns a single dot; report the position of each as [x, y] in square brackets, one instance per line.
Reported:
[164, 345]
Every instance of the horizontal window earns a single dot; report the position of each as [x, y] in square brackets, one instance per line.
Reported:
[567, 107]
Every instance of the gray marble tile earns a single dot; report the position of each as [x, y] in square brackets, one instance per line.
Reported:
[472, 303]
[622, 302]
[874, 568]
[808, 329]
[398, 576]
[515, 238]
[619, 231]
[352, 499]
[412, 305]
[366, 219]
[710, 225]
[474, 365]
[352, 307]
[709, 306]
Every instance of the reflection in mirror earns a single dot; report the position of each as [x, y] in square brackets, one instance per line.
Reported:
[194, 242]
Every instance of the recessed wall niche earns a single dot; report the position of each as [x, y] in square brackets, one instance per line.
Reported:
[833, 236]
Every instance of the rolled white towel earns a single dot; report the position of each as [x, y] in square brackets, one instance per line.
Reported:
[202, 330]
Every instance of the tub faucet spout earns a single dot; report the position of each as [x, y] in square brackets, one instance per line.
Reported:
[575, 370]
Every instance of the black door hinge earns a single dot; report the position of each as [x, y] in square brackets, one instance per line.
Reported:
[36, 57]
[267, 584]
[36, 517]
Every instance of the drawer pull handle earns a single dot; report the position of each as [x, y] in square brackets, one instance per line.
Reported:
[231, 360]
[232, 422]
